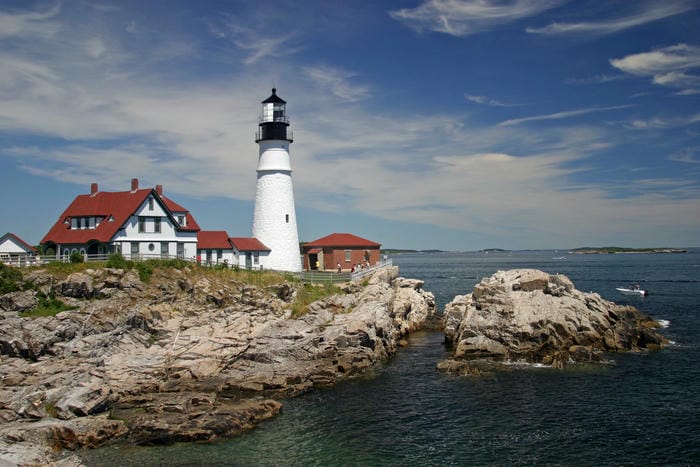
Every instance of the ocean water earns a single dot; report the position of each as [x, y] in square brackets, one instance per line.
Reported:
[642, 410]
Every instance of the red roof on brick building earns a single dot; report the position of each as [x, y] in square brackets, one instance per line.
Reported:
[342, 240]
[248, 244]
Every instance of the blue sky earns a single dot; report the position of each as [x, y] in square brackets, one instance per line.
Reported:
[447, 124]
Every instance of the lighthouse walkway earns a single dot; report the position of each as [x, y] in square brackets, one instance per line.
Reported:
[321, 277]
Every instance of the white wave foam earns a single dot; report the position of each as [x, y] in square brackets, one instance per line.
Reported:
[525, 364]
[664, 323]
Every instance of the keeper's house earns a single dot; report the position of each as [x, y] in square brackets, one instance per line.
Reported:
[14, 250]
[139, 223]
[345, 249]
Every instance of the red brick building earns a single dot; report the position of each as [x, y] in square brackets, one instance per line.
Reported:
[345, 249]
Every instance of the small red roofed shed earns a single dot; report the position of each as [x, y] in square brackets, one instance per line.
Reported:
[345, 249]
[249, 250]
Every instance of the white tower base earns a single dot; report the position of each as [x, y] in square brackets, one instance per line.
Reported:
[274, 221]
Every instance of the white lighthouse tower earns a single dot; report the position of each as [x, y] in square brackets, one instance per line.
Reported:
[275, 220]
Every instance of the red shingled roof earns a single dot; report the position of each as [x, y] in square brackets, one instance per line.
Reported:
[176, 208]
[248, 244]
[119, 205]
[342, 240]
[212, 239]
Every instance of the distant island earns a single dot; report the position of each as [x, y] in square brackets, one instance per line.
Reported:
[576, 251]
[617, 249]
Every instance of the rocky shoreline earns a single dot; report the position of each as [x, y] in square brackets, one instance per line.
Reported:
[188, 357]
[177, 360]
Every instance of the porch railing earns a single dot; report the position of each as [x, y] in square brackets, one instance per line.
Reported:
[364, 272]
[320, 277]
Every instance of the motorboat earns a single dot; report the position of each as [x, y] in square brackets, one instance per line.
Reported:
[632, 290]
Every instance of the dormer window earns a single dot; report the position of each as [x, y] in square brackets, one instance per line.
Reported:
[82, 223]
[181, 220]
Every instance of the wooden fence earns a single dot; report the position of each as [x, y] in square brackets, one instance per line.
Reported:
[316, 277]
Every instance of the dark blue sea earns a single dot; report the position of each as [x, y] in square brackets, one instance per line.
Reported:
[642, 410]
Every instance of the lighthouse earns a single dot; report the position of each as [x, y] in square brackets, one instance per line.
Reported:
[274, 220]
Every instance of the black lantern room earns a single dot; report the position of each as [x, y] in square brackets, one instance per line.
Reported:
[273, 120]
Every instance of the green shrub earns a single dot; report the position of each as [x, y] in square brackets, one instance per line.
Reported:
[76, 257]
[48, 306]
[117, 261]
[176, 263]
[145, 269]
[10, 279]
[310, 293]
[221, 267]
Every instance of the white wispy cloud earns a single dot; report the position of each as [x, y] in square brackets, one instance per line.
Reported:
[258, 41]
[486, 101]
[464, 17]
[337, 81]
[668, 66]
[687, 155]
[30, 24]
[560, 115]
[659, 122]
[263, 47]
[647, 13]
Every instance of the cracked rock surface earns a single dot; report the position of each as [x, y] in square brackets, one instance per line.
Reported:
[182, 357]
[527, 315]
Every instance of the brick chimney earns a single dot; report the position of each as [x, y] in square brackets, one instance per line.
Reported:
[93, 188]
[159, 190]
[134, 184]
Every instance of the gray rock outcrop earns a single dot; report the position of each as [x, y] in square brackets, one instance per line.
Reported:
[526, 315]
[184, 356]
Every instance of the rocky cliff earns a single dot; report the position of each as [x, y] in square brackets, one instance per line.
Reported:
[181, 357]
[526, 315]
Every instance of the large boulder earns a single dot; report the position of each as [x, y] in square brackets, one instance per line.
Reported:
[18, 302]
[527, 315]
